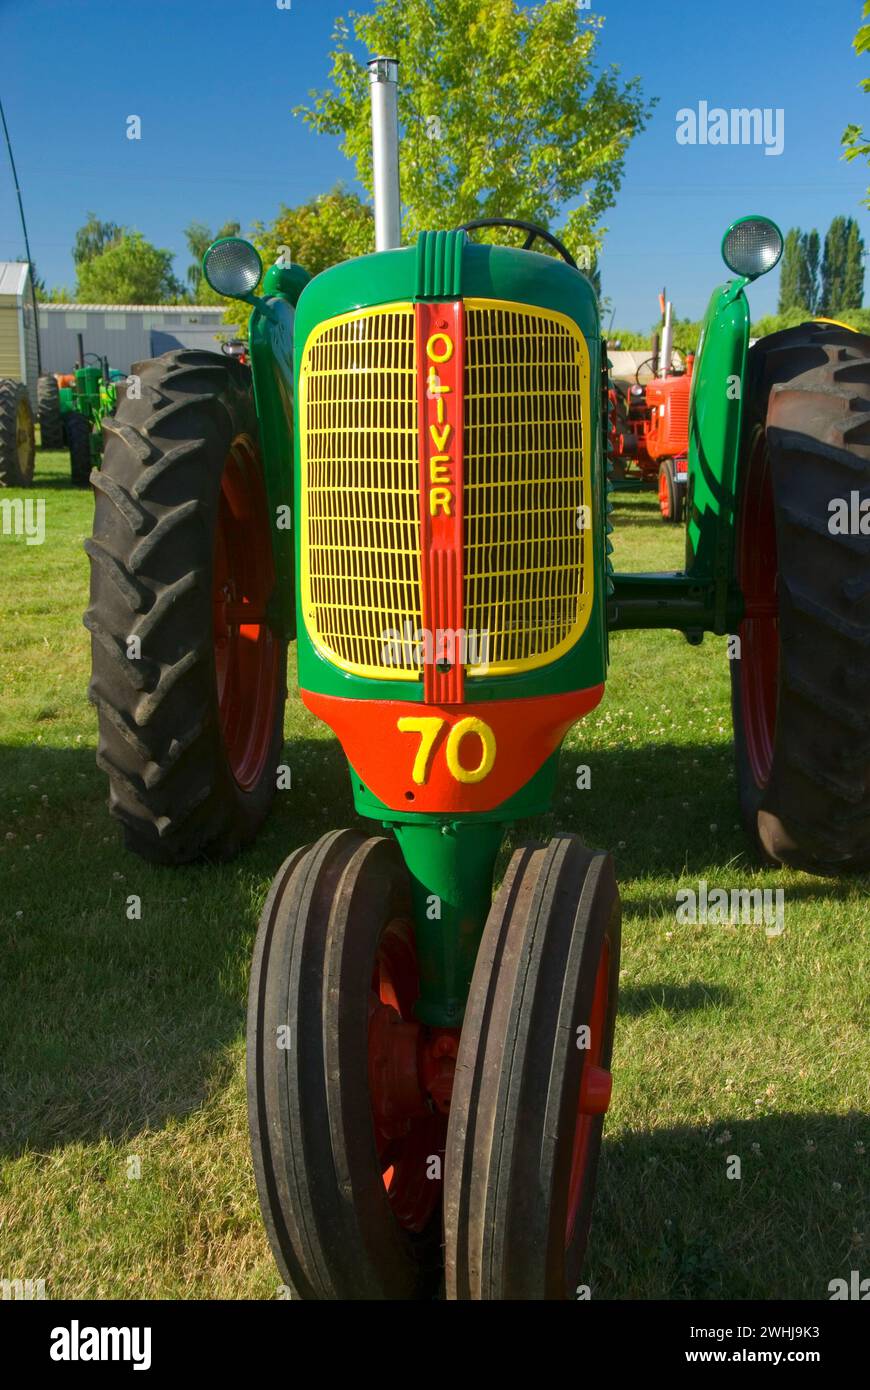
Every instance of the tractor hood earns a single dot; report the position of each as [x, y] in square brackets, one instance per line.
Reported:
[443, 266]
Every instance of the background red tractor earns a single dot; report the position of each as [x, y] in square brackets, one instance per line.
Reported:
[650, 423]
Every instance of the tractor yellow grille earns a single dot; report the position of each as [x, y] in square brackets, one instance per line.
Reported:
[360, 491]
[528, 560]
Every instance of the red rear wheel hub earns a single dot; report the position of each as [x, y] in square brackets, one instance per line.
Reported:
[247, 653]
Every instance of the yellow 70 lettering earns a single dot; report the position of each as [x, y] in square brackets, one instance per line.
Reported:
[429, 727]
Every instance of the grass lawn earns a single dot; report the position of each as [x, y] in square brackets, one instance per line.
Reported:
[124, 1168]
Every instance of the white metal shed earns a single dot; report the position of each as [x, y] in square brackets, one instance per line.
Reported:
[18, 356]
[126, 333]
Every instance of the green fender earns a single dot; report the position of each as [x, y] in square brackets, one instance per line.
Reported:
[715, 426]
[270, 345]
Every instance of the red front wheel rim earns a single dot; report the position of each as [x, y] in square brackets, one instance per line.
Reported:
[757, 568]
[594, 1094]
[246, 651]
[664, 495]
[409, 1129]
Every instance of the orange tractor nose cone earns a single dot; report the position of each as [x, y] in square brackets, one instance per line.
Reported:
[595, 1090]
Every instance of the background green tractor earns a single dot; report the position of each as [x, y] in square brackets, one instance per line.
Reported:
[411, 478]
[73, 407]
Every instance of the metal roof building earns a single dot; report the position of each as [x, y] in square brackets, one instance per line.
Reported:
[126, 333]
[17, 330]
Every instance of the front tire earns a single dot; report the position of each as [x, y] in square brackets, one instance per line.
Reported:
[531, 1089]
[801, 687]
[342, 1136]
[189, 679]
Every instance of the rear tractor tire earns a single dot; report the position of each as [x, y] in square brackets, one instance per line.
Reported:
[189, 679]
[48, 412]
[801, 686]
[17, 437]
[78, 439]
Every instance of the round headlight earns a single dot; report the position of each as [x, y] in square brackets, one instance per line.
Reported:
[752, 246]
[232, 267]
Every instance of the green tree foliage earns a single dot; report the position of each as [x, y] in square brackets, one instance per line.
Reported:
[327, 229]
[774, 323]
[855, 140]
[836, 283]
[790, 272]
[502, 109]
[330, 228]
[131, 271]
[859, 319]
[809, 270]
[199, 238]
[834, 265]
[627, 340]
[94, 238]
[40, 288]
[842, 267]
[686, 335]
[853, 275]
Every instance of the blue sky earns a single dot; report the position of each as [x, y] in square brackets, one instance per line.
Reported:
[219, 141]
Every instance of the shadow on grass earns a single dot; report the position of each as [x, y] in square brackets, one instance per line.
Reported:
[666, 810]
[112, 1024]
[670, 1223]
[53, 483]
[673, 999]
[109, 1024]
[629, 520]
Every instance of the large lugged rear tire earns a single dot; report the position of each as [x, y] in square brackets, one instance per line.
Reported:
[48, 412]
[188, 677]
[78, 438]
[17, 439]
[801, 688]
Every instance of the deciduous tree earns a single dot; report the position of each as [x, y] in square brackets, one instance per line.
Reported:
[131, 271]
[94, 238]
[503, 110]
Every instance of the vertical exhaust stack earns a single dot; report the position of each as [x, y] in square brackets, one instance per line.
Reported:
[667, 340]
[384, 79]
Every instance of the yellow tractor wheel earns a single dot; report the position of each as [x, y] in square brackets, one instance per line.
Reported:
[17, 436]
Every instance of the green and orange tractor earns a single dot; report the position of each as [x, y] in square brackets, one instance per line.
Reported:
[75, 410]
[410, 478]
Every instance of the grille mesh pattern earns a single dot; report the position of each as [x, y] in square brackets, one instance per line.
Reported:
[524, 550]
[527, 560]
[362, 493]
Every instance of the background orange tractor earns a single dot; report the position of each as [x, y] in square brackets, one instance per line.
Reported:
[649, 422]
